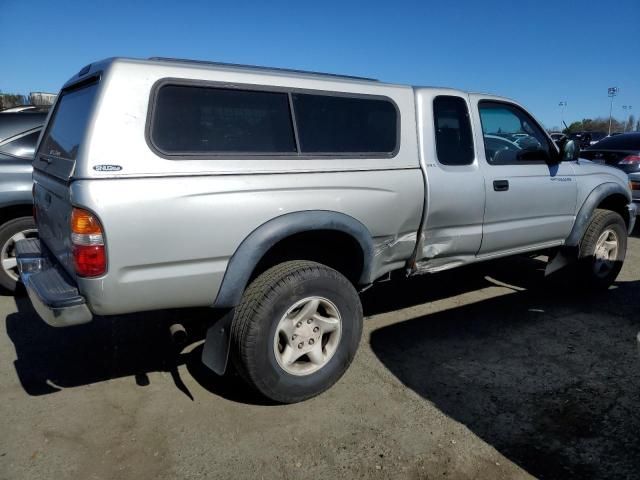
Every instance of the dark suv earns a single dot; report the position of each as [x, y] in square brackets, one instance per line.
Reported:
[586, 139]
[19, 134]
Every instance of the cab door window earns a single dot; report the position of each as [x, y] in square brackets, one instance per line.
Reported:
[511, 136]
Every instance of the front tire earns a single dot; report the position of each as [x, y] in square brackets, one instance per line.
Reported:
[10, 233]
[602, 250]
[296, 330]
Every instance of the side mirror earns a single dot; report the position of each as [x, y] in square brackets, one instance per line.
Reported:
[570, 150]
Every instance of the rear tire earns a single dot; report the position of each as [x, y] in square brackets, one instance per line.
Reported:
[10, 232]
[602, 250]
[296, 330]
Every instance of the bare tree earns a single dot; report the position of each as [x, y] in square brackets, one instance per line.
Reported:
[8, 100]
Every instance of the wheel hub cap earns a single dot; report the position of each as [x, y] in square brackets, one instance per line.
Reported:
[606, 253]
[307, 336]
[8, 253]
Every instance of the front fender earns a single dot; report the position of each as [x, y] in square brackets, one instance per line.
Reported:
[258, 243]
[592, 201]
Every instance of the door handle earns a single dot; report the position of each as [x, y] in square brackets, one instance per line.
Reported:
[501, 185]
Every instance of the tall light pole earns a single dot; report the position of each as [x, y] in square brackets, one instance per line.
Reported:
[612, 92]
[562, 105]
[626, 119]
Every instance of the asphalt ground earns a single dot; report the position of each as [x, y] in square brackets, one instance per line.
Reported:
[484, 372]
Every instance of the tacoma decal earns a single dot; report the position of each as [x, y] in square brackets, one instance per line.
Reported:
[107, 168]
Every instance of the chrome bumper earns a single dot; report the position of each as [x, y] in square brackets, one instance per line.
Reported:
[53, 295]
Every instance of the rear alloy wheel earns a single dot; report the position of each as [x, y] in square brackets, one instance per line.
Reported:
[307, 336]
[296, 330]
[602, 249]
[10, 233]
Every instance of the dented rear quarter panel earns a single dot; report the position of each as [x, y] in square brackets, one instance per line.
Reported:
[169, 239]
[171, 225]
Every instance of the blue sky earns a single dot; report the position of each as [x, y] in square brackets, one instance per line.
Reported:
[536, 52]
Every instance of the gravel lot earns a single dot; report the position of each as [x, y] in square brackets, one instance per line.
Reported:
[475, 373]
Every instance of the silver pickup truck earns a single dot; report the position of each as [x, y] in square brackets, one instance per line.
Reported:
[276, 196]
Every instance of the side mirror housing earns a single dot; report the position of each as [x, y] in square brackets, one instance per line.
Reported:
[570, 150]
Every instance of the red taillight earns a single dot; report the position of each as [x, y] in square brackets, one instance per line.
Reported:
[635, 185]
[630, 160]
[89, 257]
[89, 260]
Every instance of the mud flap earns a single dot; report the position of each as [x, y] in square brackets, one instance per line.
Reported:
[215, 353]
[564, 257]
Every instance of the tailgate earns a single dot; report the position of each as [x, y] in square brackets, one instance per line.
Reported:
[54, 164]
[53, 215]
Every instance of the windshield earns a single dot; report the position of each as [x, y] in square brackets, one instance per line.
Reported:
[68, 125]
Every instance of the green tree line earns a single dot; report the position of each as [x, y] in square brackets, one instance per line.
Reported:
[8, 100]
[601, 124]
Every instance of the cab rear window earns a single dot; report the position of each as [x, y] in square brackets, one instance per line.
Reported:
[69, 123]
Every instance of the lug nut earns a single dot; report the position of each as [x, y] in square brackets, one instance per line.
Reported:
[299, 324]
[294, 336]
[315, 329]
[309, 320]
[301, 344]
[311, 341]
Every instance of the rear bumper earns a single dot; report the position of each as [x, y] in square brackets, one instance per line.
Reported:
[53, 295]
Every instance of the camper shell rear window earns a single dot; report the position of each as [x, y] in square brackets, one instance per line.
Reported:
[68, 124]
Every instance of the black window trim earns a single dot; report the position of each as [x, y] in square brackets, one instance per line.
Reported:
[550, 143]
[155, 89]
[435, 128]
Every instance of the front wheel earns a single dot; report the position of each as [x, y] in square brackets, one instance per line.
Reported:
[10, 233]
[602, 249]
[296, 330]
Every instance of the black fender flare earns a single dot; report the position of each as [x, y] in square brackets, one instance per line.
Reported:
[260, 240]
[215, 353]
[592, 201]
[570, 251]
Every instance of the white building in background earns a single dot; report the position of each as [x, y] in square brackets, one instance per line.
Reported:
[42, 98]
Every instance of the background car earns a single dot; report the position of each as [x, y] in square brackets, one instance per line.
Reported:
[494, 144]
[19, 133]
[586, 139]
[595, 137]
[620, 151]
[557, 136]
[25, 108]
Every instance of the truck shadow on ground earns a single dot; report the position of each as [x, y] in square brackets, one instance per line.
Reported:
[550, 378]
[50, 359]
